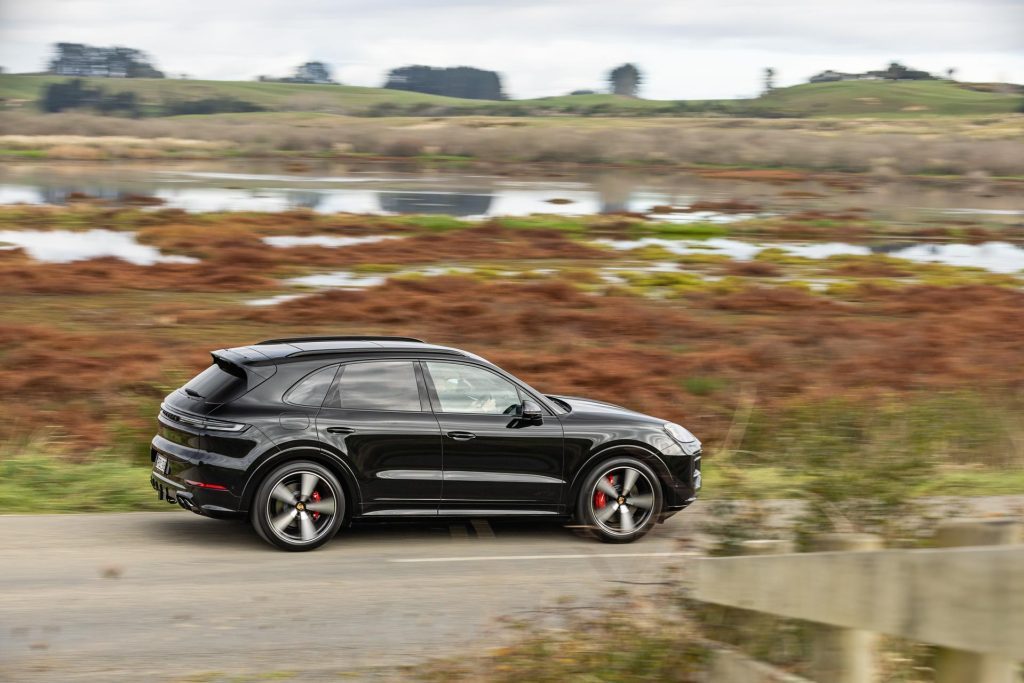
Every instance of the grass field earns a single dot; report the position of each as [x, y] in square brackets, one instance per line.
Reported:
[857, 98]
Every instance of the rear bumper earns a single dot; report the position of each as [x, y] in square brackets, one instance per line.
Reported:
[190, 498]
[185, 465]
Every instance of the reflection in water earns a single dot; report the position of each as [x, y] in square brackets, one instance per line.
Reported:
[255, 185]
[298, 199]
[447, 203]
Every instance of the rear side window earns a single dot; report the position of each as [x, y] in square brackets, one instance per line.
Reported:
[378, 385]
[311, 389]
[216, 384]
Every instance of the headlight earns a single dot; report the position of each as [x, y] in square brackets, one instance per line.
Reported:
[690, 443]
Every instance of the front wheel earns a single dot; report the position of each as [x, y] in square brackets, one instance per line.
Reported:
[299, 506]
[620, 500]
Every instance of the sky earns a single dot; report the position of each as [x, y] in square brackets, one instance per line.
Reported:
[686, 49]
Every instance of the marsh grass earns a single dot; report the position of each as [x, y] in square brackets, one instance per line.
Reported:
[865, 468]
[992, 147]
[641, 642]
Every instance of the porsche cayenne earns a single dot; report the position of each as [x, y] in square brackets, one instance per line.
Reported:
[303, 436]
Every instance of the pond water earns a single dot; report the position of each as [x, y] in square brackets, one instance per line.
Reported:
[272, 185]
[65, 246]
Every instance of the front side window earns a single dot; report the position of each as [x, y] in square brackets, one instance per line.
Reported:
[470, 389]
[377, 385]
[311, 389]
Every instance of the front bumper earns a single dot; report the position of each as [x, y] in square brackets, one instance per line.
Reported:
[685, 485]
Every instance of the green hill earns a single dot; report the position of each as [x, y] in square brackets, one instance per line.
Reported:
[888, 97]
[848, 98]
[272, 96]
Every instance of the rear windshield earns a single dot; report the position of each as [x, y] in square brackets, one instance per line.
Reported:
[216, 384]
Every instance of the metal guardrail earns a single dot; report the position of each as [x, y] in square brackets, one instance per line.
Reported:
[969, 600]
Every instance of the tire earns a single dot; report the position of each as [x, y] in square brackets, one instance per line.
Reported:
[604, 516]
[299, 506]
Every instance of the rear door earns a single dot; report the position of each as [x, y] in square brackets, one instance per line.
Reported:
[494, 461]
[377, 417]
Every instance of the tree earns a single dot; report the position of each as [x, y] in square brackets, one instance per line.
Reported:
[769, 80]
[76, 59]
[74, 94]
[897, 72]
[951, 73]
[312, 72]
[625, 80]
[459, 81]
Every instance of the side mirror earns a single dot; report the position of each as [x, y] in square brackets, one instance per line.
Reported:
[531, 411]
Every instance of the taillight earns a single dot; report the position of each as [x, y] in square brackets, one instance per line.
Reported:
[222, 426]
[205, 485]
[172, 417]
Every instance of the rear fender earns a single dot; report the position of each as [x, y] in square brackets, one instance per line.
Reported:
[336, 464]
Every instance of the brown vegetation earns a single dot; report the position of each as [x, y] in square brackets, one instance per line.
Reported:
[90, 347]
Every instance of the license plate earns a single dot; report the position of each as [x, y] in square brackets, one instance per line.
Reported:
[160, 464]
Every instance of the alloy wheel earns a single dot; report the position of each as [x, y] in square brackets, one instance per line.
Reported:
[622, 500]
[301, 507]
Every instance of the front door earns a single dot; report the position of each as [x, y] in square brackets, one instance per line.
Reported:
[377, 416]
[494, 461]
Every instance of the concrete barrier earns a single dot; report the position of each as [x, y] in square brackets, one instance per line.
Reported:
[968, 600]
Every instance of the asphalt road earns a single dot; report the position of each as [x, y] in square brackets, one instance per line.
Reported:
[172, 596]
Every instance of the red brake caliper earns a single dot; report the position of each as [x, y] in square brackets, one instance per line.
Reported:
[600, 498]
[316, 498]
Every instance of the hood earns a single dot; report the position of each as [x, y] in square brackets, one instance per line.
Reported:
[585, 407]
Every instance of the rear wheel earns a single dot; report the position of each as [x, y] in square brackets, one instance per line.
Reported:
[299, 506]
[620, 500]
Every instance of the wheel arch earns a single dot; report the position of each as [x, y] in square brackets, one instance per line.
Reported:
[641, 452]
[336, 465]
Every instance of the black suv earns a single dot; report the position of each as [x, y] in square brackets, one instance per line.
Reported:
[302, 436]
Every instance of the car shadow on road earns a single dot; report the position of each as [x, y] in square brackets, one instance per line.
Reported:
[193, 530]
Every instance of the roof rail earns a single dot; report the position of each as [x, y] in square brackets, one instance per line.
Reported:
[355, 337]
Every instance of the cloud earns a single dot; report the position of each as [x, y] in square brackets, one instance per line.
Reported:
[687, 48]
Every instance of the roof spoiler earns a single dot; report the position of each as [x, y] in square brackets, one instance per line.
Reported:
[242, 364]
[328, 338]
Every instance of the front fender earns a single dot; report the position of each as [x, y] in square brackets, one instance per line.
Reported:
[638, 449]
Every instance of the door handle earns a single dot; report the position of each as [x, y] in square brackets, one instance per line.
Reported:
[340, 430]
[462, 436]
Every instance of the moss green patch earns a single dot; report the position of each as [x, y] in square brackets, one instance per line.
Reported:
[781, 257]
[699, 385]
[542, 222]
[681, 230]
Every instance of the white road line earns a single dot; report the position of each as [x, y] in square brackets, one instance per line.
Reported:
[492, 558]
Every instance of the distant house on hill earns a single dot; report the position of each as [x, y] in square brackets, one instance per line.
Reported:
[894, 72]
[829, 76]
[310, 72]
